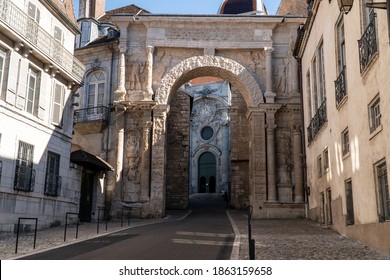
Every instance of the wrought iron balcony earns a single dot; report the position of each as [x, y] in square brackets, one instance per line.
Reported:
[91, 120]
[20, 23]
[53, 185]
[99, 113]
[340, 87]
[368, 44]
[1, 169]
[320, 118]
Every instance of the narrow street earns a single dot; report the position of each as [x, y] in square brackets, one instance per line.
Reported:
[205, 234]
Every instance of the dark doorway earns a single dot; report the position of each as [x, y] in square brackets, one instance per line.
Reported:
[86, 195]
[207, 173]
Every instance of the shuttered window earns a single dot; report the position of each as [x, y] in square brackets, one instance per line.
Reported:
[58, 103]
[52, 179]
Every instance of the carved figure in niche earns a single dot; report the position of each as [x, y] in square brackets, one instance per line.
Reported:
[132, 149]
[137, 75]
[281, 78]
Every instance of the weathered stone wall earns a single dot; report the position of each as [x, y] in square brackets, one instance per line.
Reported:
[178, 145]
[239, 152]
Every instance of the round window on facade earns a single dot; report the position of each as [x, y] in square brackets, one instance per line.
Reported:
[207, 133]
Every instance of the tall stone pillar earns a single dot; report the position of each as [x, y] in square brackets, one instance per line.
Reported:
[297, 142]
[257, 161]
[269, 94]
[120, 92]
[272, 191]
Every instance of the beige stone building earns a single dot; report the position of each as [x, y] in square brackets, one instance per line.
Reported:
[345, 59]
[141, 111]
[38, 73]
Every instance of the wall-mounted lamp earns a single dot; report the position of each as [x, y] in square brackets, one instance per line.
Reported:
[345, 5]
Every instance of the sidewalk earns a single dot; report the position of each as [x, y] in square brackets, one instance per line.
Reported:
[288, 239]
[298, 239]
[54, 237]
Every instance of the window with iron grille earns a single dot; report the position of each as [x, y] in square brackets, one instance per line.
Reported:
[329, 219]
[24, 172]
[345, 141]
[374, 113]
[350, 219]
[319, 166]
[340, 83]
[326, 160]
[383, 190]
[322, 208]
[52, 179]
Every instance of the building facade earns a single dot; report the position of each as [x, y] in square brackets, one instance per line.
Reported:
[160, 132]
[37, 75]
[345, 60]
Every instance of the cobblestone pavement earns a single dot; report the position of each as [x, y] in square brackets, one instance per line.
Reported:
[298, 239]
[290, 239]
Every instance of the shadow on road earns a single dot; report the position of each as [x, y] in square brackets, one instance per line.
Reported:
[206, 200]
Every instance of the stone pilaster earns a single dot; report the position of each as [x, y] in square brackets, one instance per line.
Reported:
[297, 142]
[146, 138]
[269, 94]
[158, 172]
[120, 92]
[120, 132]
[272, 191]
[294, 77]
[257, 161]
[149, 72]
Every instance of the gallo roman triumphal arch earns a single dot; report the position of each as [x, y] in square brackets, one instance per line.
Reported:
[156, 115]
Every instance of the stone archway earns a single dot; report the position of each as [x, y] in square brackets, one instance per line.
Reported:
[217, 66]
[249, 90]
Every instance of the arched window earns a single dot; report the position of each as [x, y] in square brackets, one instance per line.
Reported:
[96, 86]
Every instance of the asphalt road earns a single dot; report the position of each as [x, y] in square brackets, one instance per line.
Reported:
[205, 234]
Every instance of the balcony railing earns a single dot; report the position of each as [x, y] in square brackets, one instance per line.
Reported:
[368, 45]
[53, 185]
[340, 87]
[99, 113]
[22, 24]
[317, 122]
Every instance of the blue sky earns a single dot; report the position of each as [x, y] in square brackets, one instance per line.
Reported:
[178, 6]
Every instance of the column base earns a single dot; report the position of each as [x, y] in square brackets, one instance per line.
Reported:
[120, 94]
[269, 97]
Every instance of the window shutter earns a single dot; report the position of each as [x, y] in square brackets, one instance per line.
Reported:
[22, 84]
[12, 84]
[43, 96]
[57, 104]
